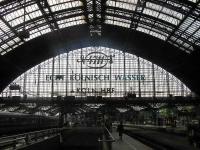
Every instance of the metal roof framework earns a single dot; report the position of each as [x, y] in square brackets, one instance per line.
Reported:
[175, 22]
[52, 106]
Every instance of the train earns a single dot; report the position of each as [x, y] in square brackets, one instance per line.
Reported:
[15, 123]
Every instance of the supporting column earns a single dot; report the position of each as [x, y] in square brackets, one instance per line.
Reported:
[72, 73]
[58, 86]
[125, 92]
[24, 85]
[153, 79]
[52, 78]
[139, 87]
[168, 86]
[82, 74]
[110, 75]
[182, 89]
[38, 81]
[67, 74]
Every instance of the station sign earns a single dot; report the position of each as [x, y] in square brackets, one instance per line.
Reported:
[94, 60]
[95, 90]
[55, 77]
[96, 77]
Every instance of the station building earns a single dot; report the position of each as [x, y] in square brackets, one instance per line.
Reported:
[87, 63]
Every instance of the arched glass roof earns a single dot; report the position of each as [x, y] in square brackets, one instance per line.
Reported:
[174, 21]
[96, 71]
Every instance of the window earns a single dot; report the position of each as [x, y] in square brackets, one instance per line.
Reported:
[97, 71]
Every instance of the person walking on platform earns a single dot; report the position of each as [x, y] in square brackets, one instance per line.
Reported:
[120, 129]
[108, 125]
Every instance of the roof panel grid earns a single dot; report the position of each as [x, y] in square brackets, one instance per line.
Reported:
[197, 35]
[176, 22]
[145, 17]
[194, 1]
[186, 35]
[17, 17]
[68, 14]
[165, 9]
[4, 27]
[57, 2]
[154, 6]
[151, 12]
[124, 4]
[117, 21]
[193, 27]
[172, 13]
[156, 33]
[119, 12]
[33, 25]
[39, 29]
[64, 4]
[5, 46]
[5, 36]
[71, 22]
[13, 6]
[168, 19]
[151, 25]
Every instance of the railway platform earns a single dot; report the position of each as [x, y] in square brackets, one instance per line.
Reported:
[128, 143]
[160, 140]
[93, 138]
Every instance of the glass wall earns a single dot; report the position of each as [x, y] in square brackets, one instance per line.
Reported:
[96, 71]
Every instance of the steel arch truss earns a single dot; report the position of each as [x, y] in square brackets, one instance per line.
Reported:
[176, 22]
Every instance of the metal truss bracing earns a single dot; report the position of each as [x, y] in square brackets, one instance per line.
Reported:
[31, 109]
[93, 15]
[52, 106]
[139, 8]
[45, 9]
[114, 101]
[173, 21]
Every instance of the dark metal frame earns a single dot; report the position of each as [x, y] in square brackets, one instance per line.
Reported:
[95, 13]
[53, 105]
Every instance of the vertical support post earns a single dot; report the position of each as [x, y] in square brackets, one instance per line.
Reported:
[72, 73]
[58, 89]
[125, 92]
[81, 73]
[24, 85]
[52, 78]
[139, 86]
[110, 76]
[38, 81]
[153, 79]
[67, 66]
[182, 89]
[10, 93]
[168, 86]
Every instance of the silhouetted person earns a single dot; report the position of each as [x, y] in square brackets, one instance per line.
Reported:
[120, 129]
[108, 125]
[194, 134]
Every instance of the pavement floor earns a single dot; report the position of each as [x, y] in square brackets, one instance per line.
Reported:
[127, 143]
